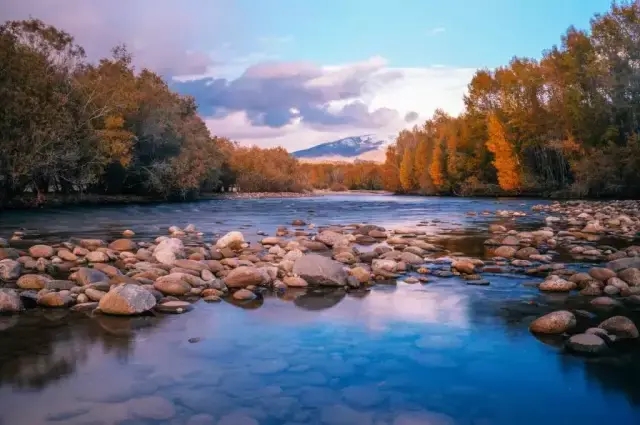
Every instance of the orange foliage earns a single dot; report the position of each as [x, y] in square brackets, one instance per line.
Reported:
[505, 160]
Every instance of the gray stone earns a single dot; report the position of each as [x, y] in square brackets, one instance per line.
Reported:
[319, 270]
[587, 343]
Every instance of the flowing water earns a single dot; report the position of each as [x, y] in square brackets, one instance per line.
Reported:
[434, 354]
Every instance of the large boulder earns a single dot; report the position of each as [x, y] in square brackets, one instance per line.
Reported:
[319, 270]
[556, 322]
[168, 251]
[9, 301]
[127, 299]
[232, 240]
[244, 276]
[9, 269]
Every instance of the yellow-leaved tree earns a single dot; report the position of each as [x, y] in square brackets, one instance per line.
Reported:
[505, 160]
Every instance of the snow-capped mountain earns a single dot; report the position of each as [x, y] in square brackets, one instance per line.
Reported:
[368, 147]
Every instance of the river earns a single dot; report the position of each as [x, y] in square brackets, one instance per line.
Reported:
[433, 354]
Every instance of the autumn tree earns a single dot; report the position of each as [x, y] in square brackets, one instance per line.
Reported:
[407, 173]
[505, 162]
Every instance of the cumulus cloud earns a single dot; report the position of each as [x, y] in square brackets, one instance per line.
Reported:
[274, 94]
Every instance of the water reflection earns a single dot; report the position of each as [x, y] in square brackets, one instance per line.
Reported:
[326, 357]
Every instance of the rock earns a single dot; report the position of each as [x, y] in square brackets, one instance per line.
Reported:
[505, 251]
[624, 263]
[172, 284]
[244, 276]
[586, 343]
[620, 326]
[212, 299]
[84, 306]
[207, 275]
[86, 276]
[496, 228]
[127, 299]
[168, 251]
[82, 299]
[593, 227]
[9, 269]
[510, 241]
[128, 233]
[59, 285]
[604, 302]
[411, 258]
[9, 301]
[384, 267]
[174, 307]
[526, 253]
[631, 276]
[478, 282]
[611, 290]
[97, 257]
[33, 281]
[293, 255]
[555, 283]
[298, 222]
[557, 322]
[464, 266]
[232, 240]
[319, 270]
[54, 299]
[123, 245]
[94, 294]
[295, 282]
[331, 238]
[601, 274]
[345, 258]
[41, 251]
[244, 295]
[67, 255]
[196, 266]
[79, 251]
[270, 240]
[618, 283]
[580, 278]
[363, 275]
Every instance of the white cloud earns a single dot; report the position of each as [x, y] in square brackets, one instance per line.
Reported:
[437, 30]
[419, 89]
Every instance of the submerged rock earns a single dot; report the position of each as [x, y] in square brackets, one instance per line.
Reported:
[587, 343]
[620, 326]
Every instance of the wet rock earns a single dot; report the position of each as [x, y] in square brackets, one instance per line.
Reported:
[505, 251]
[172, 284]
[620, 326]
[54, 299]
[9, 301]
[586, 344]
[244, 295]
[295, 282]
[464, 266]
[601, 274]
[557, 322]
[32, 281]
[320, 270]
[555, 283]
[631, 276]
[360, 273]
[232, 240]
[168, 251]
[604, 302]
[84, 306]
[127, 299]
[9, 269]
[41, 251]
[174, 307]
[244, 276]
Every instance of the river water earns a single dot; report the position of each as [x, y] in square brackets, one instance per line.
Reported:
[434, 354]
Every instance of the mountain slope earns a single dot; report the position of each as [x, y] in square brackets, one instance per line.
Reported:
[368, 147]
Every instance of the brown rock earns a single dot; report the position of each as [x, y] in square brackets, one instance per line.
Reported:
[172, 284]
[107, 269]
[620, 326]
[126, 300]
[244, 295]
[601, 274]
[123, 245]
[244, 276]
[464, 266]
[54, 299]
[556, 284]
[556, 322]
[41, 251]
[33, 281]
[631, 276]
[505, 251]
[295, 282]
[67, 255]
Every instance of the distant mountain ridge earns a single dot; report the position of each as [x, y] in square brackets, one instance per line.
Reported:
[368, 147]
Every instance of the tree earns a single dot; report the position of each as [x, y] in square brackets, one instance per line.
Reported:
[407, 175]
[505, 162]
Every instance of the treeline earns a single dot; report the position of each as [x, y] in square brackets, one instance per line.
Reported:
[566, 125]
[70, 126]
[338, 176]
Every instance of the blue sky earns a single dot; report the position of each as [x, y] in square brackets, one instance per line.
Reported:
[300, 72]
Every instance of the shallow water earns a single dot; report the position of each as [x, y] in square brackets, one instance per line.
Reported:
[440, 353]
